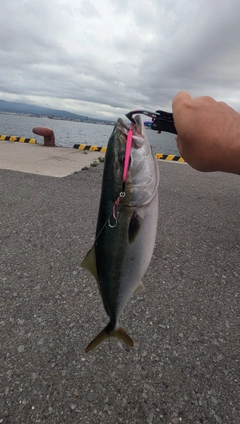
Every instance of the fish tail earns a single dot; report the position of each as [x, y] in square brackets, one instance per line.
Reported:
[119, 333]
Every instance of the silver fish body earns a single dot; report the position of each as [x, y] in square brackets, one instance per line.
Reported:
[126, 232]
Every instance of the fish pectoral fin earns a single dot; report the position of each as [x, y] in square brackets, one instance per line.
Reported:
[139, 287]
[89, 262]
[134, 227]
[120, 334]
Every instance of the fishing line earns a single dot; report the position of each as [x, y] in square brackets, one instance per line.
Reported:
[114, 213]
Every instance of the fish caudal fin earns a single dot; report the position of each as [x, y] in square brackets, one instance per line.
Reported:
[120, 334]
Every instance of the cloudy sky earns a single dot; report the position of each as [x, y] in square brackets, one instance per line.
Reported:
[104, 58]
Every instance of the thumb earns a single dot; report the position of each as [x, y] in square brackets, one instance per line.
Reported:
[179, 99]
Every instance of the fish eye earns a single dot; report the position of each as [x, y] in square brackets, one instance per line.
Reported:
[121, 158]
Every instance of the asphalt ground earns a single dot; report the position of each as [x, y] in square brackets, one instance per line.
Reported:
[185, 365]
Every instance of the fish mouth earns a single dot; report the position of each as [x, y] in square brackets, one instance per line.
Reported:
[138, 130]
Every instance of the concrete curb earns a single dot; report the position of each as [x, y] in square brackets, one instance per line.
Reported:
[169, 157]
[90, 148]
[19, 139]
[103, 149]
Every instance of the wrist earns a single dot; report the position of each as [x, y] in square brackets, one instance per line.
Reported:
[232, 160]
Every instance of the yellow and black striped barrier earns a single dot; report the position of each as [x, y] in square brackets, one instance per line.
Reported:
[90, 148]
[173, 158]
[19, 139]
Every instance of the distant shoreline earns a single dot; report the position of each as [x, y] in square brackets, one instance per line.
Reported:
[58, 118]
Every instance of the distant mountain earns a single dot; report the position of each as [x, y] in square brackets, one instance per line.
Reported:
[15, 107]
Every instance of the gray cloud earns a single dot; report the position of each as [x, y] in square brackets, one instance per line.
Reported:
[109, 57]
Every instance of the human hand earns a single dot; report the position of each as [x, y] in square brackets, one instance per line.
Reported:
[208, 133]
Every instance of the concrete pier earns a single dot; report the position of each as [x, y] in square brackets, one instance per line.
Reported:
[42, 160]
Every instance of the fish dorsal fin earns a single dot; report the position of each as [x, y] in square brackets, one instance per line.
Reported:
[89, 262]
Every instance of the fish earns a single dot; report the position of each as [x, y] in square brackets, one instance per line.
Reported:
[126, 226]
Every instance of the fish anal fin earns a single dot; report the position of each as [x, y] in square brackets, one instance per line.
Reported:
[89, 262]
[134, 227]
[120, 334]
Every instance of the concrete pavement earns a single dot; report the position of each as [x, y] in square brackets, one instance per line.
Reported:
[42, 160]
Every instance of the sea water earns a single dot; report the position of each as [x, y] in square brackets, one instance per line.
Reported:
[68, 133]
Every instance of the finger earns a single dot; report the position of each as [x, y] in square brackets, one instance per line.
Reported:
[178, 142]
[180, 97]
